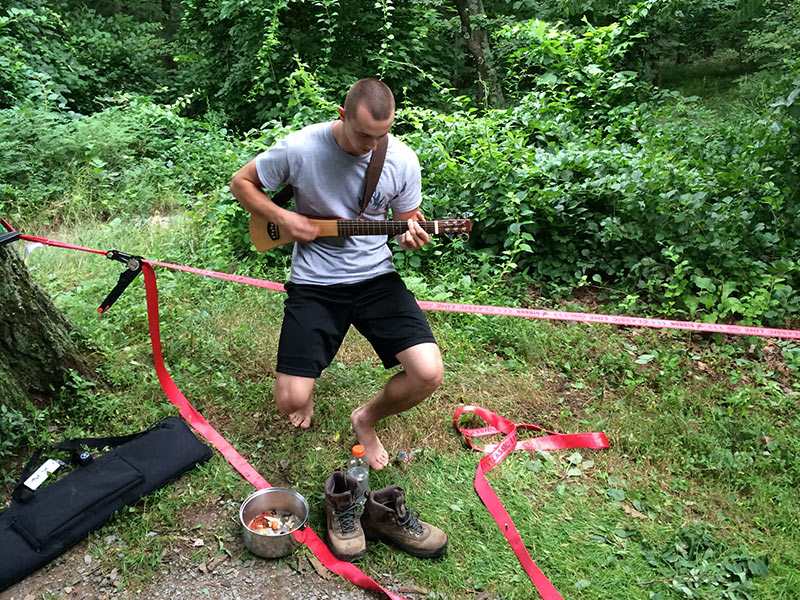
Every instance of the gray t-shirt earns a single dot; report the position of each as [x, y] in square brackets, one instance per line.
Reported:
[329, 182]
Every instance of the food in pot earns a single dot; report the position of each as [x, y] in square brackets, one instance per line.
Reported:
[273, 522]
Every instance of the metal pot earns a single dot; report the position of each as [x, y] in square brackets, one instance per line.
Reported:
[272, 498]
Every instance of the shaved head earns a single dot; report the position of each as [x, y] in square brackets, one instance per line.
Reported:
[374, 95]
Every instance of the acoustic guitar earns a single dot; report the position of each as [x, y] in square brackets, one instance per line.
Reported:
[267, 235]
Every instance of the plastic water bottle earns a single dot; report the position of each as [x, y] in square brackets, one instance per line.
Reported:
[358, 469]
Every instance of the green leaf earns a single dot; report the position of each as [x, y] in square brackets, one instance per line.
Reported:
[792, 96]
[548, 78]
[758, 567]
[624, 533]
[575, 458]
[704, 283]
[534, 465]
[615, 494]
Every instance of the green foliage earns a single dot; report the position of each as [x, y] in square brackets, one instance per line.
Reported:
[240, 55]
[772, 37]
[55, 55]
[582, 70]
[696, 568]
[133, 158]
[697, 218]
[18, 429]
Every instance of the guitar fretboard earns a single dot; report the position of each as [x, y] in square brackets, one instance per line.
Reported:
[393, 227]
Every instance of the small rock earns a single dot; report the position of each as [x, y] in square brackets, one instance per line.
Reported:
[67, 590]
[87, 559]
[216, 561]
[411, 589]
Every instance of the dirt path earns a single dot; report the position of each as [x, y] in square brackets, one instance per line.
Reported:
[74, 575]
[226, 576]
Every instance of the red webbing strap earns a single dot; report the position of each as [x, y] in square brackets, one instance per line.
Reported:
[262, 283]
[508, 311]
[495, 453]
[196, 420]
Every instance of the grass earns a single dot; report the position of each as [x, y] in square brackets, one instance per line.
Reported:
[695, 498]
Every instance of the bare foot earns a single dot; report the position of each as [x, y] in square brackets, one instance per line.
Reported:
[376, 455]
[302, 417]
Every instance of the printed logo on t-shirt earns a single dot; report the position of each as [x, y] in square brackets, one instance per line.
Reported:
[377, 203]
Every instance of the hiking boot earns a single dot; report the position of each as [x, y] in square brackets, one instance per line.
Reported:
[386, 517]
[345, 536]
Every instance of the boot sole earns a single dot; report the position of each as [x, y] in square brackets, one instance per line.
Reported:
[348, 557]
[373, 535]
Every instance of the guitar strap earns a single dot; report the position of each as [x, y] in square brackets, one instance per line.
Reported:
[374, 169]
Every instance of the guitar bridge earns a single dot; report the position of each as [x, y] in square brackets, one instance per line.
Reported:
[273, 232]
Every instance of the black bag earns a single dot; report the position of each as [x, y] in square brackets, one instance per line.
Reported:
[40, 525]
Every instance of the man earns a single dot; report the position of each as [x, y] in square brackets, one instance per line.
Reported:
[336, 282]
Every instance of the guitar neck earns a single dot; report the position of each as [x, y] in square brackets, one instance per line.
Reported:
[364, 227]
[267, 235]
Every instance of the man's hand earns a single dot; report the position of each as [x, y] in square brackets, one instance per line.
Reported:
[298, 226]
[416, 237]
[246, 188]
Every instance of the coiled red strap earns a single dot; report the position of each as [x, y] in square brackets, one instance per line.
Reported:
[494, 455]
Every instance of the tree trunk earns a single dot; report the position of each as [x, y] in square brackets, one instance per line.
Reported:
[471, 13]
[36, 349]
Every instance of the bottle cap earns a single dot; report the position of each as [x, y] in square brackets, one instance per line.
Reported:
[358, 450]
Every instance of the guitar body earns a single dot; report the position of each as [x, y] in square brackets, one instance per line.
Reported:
[267, 235]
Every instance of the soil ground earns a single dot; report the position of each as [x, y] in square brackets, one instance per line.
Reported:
[228, 576]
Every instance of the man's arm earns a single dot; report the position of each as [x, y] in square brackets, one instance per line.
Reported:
[415, 237]
[246, 188]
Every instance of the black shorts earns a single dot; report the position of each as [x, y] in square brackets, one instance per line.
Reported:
[317, 317]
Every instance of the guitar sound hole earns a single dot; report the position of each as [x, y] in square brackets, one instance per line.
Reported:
[272, 231]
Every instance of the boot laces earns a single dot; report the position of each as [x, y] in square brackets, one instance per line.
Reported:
[410, 521]
[346, 518]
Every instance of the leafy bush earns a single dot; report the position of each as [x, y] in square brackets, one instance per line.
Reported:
[54, 55]
[18, 428]
[241, 55]
[582, 69]
[695, 217]
[133, 158]
[696, 566]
